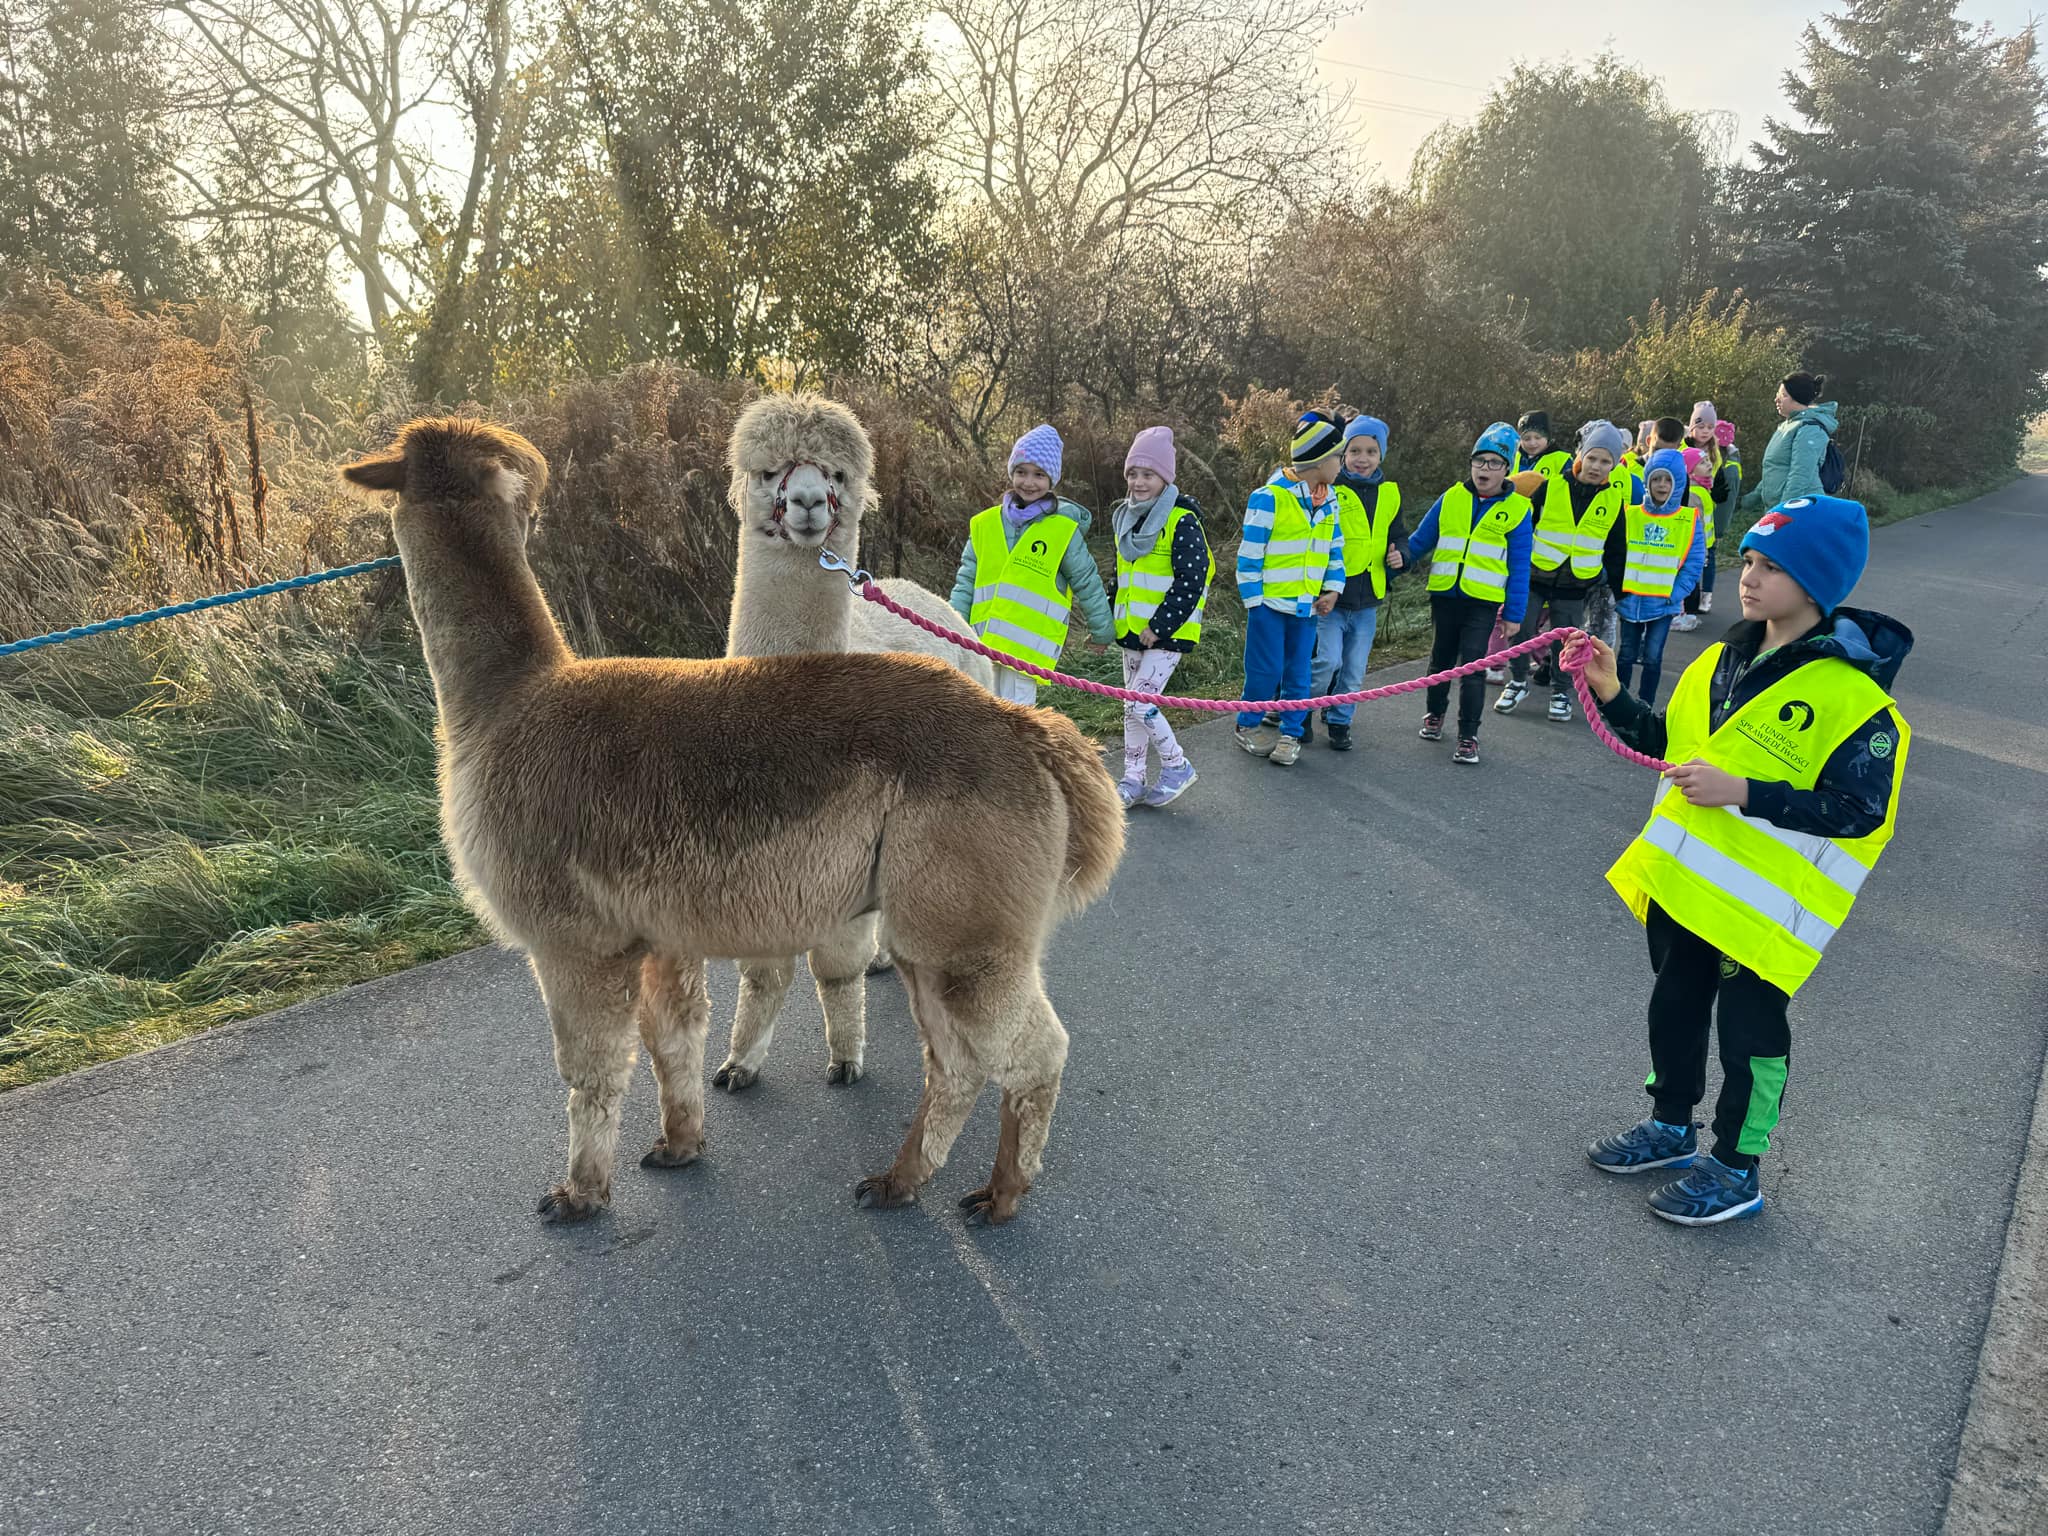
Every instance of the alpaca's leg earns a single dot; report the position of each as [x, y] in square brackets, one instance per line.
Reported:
[952, 1081]
[675, 1015]
[839, 967]
[590, 1002]
[763, 985]
[1031, 1086]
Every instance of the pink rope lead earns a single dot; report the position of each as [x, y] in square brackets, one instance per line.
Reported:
[864, 584]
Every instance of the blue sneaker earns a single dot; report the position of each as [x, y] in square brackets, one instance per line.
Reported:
[1652, 1144]
[1711, 1193]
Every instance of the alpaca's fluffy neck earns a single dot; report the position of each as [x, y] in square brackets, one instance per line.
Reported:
[783, 601]
[483, 623]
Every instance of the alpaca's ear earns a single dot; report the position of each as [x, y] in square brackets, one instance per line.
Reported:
[383, 474]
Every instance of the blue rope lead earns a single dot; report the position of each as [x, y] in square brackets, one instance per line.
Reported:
[129, 621]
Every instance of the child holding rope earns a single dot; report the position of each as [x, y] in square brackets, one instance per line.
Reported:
[1163, 570]
[1787, 752]
[1477, 535]
[1026, 566]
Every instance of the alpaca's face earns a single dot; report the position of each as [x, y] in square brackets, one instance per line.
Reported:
[803, 503]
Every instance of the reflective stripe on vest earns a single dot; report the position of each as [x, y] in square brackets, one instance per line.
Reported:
[1297, 555]
[1658, 543]
[1018, 607]
[1142, 585]
[1474, 560]
[1365, 534]
[1767, 898]
[1559, 535]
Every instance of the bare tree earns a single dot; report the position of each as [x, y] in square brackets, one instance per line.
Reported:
[1075, 121]
[311, 111]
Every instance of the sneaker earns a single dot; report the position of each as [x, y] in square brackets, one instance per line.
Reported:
[1496, 675]
[1650, 1144]
[1686, 621]
[1286, 751]
[1560, 705]
[1468, 751]
[1712, 1192]
[1510, 696]
[1130, 793]
[1340, 737]
[1432, 728]
[1259, 742]
[1173, 783]
[1706, 602]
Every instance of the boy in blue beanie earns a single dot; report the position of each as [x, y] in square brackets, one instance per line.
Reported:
[1369, 511]
[1787, 752]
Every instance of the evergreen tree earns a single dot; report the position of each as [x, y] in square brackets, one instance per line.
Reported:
[1903, 231]
[84, 169]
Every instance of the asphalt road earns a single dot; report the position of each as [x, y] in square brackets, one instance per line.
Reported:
[1316, 1248]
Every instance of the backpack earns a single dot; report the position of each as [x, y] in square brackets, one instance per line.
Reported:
[1832, 470]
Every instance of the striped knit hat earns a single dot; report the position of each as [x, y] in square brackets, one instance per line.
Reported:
[1040, 446]
[1316, 437]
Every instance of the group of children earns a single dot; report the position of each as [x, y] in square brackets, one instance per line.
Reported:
[1787, 749]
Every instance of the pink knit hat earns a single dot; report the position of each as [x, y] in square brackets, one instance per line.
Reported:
[1704, 417]
[1153, 449]
[1724, 432]
[1697, 470]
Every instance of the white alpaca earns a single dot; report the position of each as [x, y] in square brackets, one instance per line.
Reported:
[801, 470]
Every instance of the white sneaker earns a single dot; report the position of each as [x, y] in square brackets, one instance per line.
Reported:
[1706, 602]
[1686, 621]
[1510, 696]
[1286, 752]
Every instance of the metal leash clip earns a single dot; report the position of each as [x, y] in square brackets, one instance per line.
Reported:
[831, 562]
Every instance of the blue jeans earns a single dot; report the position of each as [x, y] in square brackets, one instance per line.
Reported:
[1343, 646]
[1278, 650]
[1643, 641]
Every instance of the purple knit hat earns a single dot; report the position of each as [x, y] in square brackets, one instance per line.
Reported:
[1040, 446]
[1153, 449]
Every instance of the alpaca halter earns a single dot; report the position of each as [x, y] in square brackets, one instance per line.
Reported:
[781, 505]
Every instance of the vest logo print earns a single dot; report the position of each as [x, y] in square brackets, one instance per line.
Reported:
[1881, 744]
[1785, 713]
[1038, 546]
[1785, 745]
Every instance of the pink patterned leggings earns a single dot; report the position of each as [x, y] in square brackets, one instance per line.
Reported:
[1144, 725]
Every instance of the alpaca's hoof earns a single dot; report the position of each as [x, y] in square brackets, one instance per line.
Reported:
[732, 1077]
[848, 1072]
[563, 1204]
[985, 1207]
[881, 1192]
[662, 1155]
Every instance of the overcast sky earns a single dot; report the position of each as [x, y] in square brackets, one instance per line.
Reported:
[1728, 55]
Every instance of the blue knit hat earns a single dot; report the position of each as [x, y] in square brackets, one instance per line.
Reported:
[1821, 542]
[1367, 426]
[1040, 446]
[1500, 439]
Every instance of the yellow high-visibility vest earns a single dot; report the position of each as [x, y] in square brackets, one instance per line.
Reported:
[1658, 543]
[1142, 585]
[1018, 608]
[1764, 897]
[1297, 554]
[1583, 540]
[1474, 559]
[1365, 534]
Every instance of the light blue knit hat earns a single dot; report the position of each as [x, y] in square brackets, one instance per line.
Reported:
[1040, 446]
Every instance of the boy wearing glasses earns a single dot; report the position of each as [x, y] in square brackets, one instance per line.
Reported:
[1478, 538]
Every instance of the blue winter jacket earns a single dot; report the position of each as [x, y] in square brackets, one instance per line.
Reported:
[1638, 608]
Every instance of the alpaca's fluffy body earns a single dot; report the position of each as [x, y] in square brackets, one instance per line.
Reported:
[812, 453]
[623, 820]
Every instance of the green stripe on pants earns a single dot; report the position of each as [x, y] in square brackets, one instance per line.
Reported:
[1766, 1088]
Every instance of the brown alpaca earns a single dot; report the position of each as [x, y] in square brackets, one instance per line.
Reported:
[622, 821]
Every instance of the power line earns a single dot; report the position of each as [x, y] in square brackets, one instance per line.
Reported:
[1399, 75]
